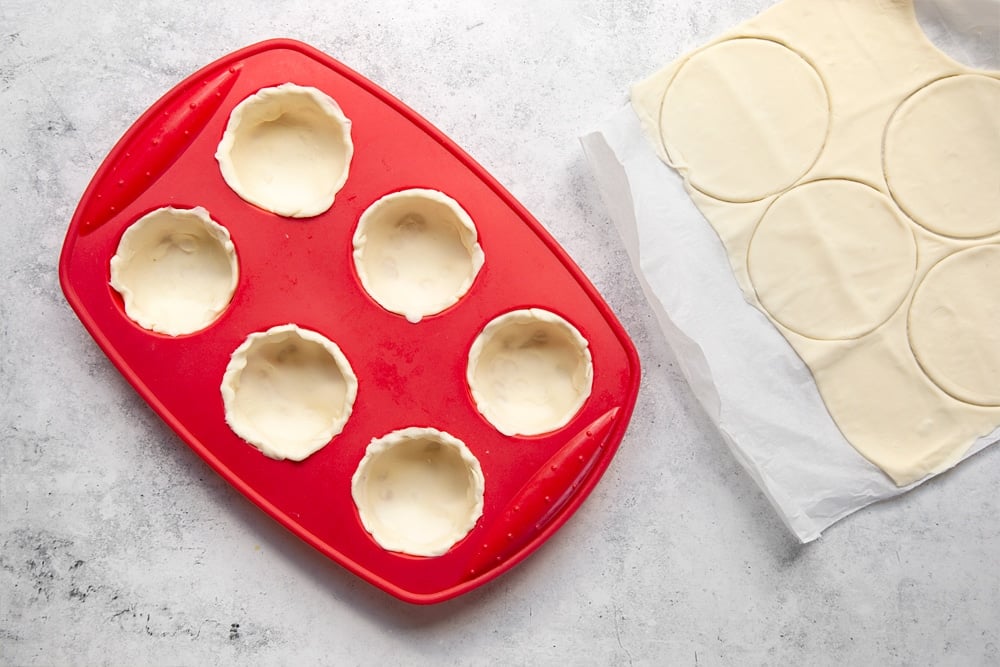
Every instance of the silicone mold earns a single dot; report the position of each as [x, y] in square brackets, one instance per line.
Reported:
[301, 271]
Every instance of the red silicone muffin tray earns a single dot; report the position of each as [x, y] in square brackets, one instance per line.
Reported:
[301, 271]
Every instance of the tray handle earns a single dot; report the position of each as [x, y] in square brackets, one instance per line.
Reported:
[543, 496]
[159, 138]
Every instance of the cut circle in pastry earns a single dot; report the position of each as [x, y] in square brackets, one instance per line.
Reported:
[287, 149]
[954, 324]
[942, 156]
[731, 106]
[416, 252]
[288, 391]
[418, 491]
[831, 259]
[529, 372]
[175, 270]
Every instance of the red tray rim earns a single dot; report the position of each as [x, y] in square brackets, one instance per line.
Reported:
[614, 436]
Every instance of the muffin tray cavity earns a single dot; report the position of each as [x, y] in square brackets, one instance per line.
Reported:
[391, 356]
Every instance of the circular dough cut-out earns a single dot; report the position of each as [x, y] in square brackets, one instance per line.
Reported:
[176, 270]
[942, 156]
[831, 259]
[530, 372]
[416, 252]
[418, 491]
[744, 119]
[954, 325]
[287, 391]
[287, 149]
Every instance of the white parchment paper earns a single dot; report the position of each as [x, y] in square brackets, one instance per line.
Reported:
[753, 385]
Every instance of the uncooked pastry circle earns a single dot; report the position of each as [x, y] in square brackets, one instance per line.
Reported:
[287, 149]
[530, 372]
[942, 156]
[899, 108]
[418, 491]
[175, 270]
[287, 391]
[954, 325]
[831, 259]
[416, 252]
[730, 104]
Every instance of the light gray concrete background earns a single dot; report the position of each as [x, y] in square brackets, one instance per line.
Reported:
[119, 546]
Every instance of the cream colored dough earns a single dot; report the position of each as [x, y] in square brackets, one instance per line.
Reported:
[418, 491]
[825, 279]
[947, 134]
[868, 233]
[747, 95]
[287, 149]
[416, 252]
[954, 324]
[530, 372]
[288, 391]
[176, 270]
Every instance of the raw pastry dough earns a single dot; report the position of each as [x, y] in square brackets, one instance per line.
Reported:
[416, 252]
[955, 324]
[947, 134]
[287, 149]
[826, 279]
[418, 491]
[873, 251]
[744, 97]
[529, 372]
[176, 270]
[287, 391]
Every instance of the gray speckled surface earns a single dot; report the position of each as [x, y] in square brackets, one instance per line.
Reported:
[119, 546]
